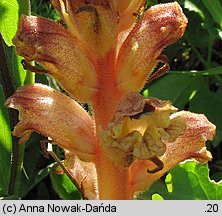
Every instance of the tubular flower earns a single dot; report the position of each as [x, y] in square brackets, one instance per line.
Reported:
[103, 54]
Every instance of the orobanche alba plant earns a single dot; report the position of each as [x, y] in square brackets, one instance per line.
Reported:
[103, 53]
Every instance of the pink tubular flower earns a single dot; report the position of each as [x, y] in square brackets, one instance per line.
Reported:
[103, 55]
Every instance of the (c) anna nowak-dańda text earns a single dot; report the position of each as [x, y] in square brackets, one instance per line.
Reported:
[67, 208]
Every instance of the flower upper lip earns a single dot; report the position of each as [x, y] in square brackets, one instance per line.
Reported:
[78, 51]
[59, 52]
[54, 115]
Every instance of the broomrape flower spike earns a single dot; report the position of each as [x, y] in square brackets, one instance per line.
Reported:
[103, 56]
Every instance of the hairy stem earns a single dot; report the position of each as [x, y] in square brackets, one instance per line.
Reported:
[112, 178]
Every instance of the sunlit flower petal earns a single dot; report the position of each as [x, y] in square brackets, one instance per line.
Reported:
[84, 174]
[161, 26]
[141, 127]
[191, 144]
[127, 11]
[54, 115]
[94, 20]
[64, 57]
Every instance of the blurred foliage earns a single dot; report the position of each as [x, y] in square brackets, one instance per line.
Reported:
[44, 8]
[193, 83]
[196, 184]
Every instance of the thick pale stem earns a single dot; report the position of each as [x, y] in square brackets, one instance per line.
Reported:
[112, 179]
[108, 96]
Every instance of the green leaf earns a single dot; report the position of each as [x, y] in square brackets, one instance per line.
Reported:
[10, 12]
[151, 2]
[192, 7]
[12, 76]
[209, 103]
[12, 73]
[215, 9]
[189, 181]
[63, 186]
[5, 146]
[15, 67]
[9, 19]
[178, 88]
[24, 7]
